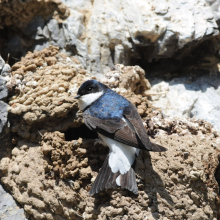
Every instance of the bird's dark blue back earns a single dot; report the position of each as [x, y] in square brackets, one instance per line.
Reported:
[109, 106]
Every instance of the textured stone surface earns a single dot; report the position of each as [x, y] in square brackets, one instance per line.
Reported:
[118, 31]
[199, 98]
[3, 88]
[11, 12]
[5, 69]
[2, 63]
[216, 10]
[104, 33]
[181, 184]
[5, 135]
[8, 208]
[19, 34]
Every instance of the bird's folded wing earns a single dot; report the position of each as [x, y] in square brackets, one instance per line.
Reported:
[117, 130]
[131, 114]
[121, 131]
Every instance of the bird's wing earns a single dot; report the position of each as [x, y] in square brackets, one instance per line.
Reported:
[130, 132]
[114, 129]
[131, 114]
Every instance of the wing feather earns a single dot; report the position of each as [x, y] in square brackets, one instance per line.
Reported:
[120, 131]
[131, 114]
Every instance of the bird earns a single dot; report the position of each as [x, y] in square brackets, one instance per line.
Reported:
[121, 128]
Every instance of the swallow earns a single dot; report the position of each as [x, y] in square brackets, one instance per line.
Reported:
[121, 128]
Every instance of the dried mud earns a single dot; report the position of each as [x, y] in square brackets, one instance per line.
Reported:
[51, 176]
[52, 179]
[41, 100]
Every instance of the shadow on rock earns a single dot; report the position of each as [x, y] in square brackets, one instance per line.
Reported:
[122, 201]
[152, 184]
[5, 134]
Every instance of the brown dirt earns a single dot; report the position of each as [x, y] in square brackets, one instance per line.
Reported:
[52, 179]
[40, 93]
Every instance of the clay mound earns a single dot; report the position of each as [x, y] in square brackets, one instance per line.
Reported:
[41, 99]
[51, 180]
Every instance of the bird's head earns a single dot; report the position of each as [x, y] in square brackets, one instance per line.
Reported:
[89, 92]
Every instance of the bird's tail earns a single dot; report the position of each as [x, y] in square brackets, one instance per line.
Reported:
[157, 148]
[106, 179]
[128, 181]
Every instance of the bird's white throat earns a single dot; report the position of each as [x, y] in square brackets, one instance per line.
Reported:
[88, 99]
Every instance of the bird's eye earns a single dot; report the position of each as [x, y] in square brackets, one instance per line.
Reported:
[89, 89]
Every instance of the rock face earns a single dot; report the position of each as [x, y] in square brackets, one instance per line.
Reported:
[54, 160]
[53, 165]
[197, 98]
[8, 208]
[215, 8]
[11, 12]
[5, 136]
[19, 33]
[102, 34]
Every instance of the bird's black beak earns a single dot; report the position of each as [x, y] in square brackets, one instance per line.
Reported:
[77, 97]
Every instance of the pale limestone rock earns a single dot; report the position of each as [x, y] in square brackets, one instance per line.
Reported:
[115, 30]
[199, 98]
[103, 33]
[9, 210]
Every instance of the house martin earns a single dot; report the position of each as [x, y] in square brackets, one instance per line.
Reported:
[121, 128]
